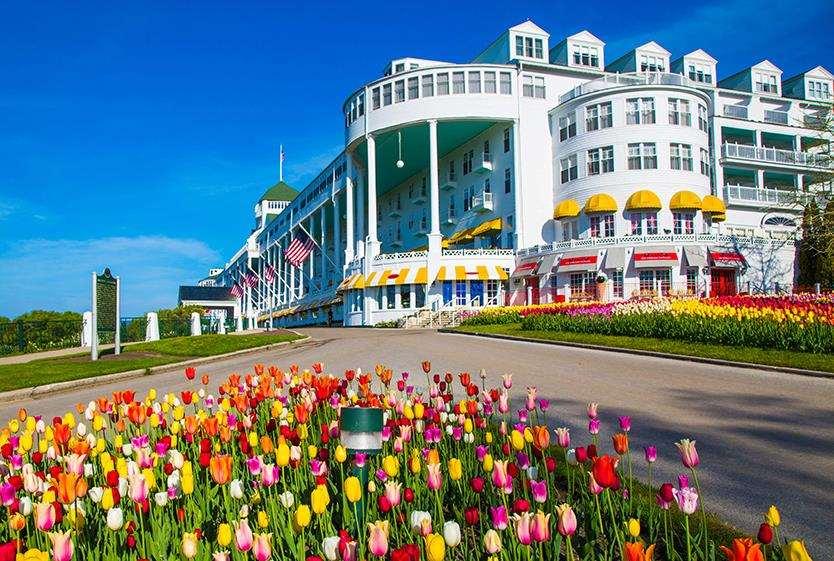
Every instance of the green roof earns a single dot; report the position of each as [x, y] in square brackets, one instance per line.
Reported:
[279, 192]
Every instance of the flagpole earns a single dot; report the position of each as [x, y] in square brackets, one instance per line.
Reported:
[281, 163]
[300, 225]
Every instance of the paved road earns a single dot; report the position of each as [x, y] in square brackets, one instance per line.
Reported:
[763, 437]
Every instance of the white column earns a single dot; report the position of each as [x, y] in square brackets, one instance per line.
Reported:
[518, 230]
[350, 240]
[312, 269]
[360, 214]
[338, 254]
[372, 239]
[434, 186]
[323, 243]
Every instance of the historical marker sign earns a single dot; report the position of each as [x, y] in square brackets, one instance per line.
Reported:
[106, 304]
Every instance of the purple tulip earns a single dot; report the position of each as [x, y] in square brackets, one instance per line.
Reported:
[625, 423]
[593, 426]
[651, 454]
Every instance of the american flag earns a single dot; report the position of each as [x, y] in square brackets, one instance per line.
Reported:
[269, 273]
[298, 250]
[236, 291]
[251, 280]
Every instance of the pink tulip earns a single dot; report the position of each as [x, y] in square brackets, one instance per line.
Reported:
[378, 538]
[435, 479]
[243, 535]
[593, 426]
[507, 380]
[563, 437]
[651, 454]
[393, 492]
[500, 519]
[254, 464]
[523, 523]
[269, 475]
[44, 516]
[625, 423]
[499, 473]
[503, 403]
[593, 486]
[75, 463]
[540, 527]
[689, 455]
[7, 494]
[261, 548]
[566, 525]
[539, 490]
[687, 499]
[531, 398]
[62, 548]
[138, 487]
[592, 410]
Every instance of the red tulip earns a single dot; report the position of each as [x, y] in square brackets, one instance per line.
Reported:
[383, 503]
[8, 551]
[471, 515]
[520, 506]
[666, 492]
[605, 471]
[550, 464]
[765, 533]
[581, 455]
[190, 373]
[477, 484]
[408, 494]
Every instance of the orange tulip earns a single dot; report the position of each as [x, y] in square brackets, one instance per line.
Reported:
[221, 469]
[301, 413]
[743, 550]
[69, 486]
[266, 445]
[192, 423]
[620, 443]
[211, 425]
[541, 437]
[103, 405]
[137, 413]
[635, 552]
[61, 434]
[225, 433]
[22, 414]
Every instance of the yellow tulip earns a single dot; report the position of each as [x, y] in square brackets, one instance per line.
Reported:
[795, 550]
[419, 410]
[340, 454]
[253, 439]
[467, 425]
[224, 535]
[455, 469]
[187, 483]
[391, 466]
[772, 516]
[312, 451]
[263, 519]
[487, 463]
[33, 555]
[517, 440]
[320, 499]
[408, 411]
[415, 465]
[488, 438]
[302, 516]
[633, 526]
[435, 547]
[189, 545]
[353, 489]
[282, 454]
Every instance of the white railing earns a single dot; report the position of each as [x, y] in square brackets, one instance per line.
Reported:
[776, 117]
[629, 79]
[781, 197]
[403, 256]
[775, 155]
[449, 180]
[485, 252]
[736, 111]
[482, 201]
[645, 240]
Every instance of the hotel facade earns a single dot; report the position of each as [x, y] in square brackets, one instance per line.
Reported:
[538, 172]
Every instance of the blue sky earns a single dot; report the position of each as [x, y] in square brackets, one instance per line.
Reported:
[139, 135]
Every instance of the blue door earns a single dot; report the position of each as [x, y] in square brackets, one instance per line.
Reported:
[476, 290]
[448, 294]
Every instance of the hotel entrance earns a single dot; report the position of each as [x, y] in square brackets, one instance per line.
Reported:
[723, 282]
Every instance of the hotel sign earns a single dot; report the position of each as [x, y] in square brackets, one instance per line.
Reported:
[106, 303]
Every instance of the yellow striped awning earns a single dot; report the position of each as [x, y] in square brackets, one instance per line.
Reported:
[601, 202]
[405, 275]
[685, 200]
[713, 204]
[353, 282]
[472, 272]
[487, 227]
[643, 200]
[568, 208]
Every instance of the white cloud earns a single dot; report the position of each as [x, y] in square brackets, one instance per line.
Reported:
[55, 274]
[298, 174]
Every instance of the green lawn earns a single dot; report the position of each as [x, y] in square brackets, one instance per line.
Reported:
[770, 357]
[134, 357]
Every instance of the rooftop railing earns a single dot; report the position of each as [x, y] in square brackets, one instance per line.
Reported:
[631, 79]
[775, 155]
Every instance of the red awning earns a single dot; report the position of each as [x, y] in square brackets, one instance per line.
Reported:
[731, 259]
[653, 257]
[526, 268]
[578, 262]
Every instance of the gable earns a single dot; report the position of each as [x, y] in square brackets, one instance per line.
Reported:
[701, 54]
[586, 37]
[767, 66]
[531, 28]
[653, 47]
[820, 72]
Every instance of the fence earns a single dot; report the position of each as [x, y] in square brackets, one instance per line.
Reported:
[33, 336]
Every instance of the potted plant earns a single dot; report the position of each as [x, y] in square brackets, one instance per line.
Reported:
[602, 292]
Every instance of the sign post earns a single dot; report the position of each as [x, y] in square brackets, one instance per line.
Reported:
[106, 304]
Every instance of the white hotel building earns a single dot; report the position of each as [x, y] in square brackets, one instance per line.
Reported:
[543, 171]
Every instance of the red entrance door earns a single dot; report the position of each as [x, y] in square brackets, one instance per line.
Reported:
[723, 282]
[533, 285]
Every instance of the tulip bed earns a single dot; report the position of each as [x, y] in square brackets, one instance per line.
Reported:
[803, 323]
[255, 469]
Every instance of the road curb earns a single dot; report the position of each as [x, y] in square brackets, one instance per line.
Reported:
[58, 387]
[655, 354]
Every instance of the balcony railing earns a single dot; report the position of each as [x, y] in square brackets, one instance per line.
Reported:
[404, 256]
[775, 155]
[786, 198]
[735, 111]
[450, 217]
[449, 181]
[776, 117]
[421, 196]
[631, 79]
[653, 239]
[482, 202]
[485, 252]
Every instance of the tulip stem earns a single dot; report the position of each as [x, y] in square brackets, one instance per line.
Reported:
[613, 520]
[703, 510]
[688, 546]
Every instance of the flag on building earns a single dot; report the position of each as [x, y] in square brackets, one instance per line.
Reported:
[251, 280]
[236, 291]
[298, 250]
[269, 273]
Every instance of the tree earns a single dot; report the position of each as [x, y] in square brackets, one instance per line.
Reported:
[825, 259]
[807, 252]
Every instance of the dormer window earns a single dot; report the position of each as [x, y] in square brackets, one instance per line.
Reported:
[766, 83]
[529, 47]
[585, 55]
[651, 63]
[819, 90]
[700, 73]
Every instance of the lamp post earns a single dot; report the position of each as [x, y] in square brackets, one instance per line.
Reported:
[360, 430]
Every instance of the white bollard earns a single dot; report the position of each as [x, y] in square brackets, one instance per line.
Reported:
[221, 325]
[152, 327]
[87, 329]
[196, 328]
[239, 323]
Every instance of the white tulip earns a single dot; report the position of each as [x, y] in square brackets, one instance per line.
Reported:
[122, 486]
[451, 533]
[287, 499]
[236, 489]
[330, 546]
[96, 493]
[418, 518]
[81, 429]
[176, 457]
[89, 470]
[161, 498]
[115, 518]
[127, 450]
[25, 506]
